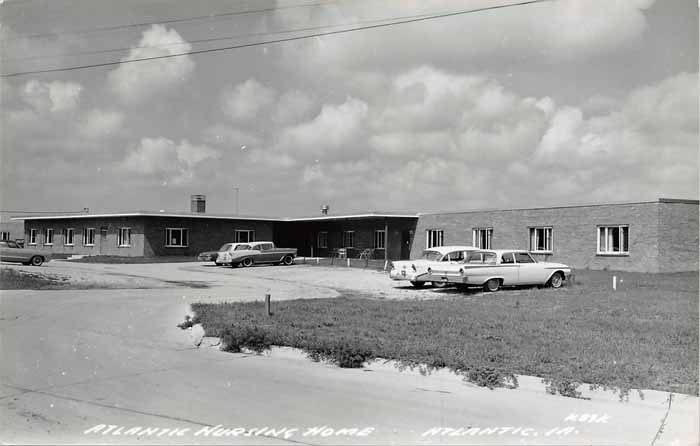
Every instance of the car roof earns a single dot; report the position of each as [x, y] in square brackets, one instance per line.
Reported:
[451, 248]
[503, 251]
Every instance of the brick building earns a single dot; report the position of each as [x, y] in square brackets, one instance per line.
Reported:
[651, 236]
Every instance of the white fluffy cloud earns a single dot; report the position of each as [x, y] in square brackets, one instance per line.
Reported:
[246, 100]
[100, 123]
[136, 82]
[167, 161]
[55, 96]
[549, 30]
[448, 139]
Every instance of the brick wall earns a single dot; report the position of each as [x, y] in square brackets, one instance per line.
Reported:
[678, 235]
[105, 235]
[574, 232]
[204, 234]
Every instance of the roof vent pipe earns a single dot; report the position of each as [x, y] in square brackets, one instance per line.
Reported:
[324, 209]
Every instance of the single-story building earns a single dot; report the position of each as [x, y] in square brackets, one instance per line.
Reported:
[148, 234]
[650, 236]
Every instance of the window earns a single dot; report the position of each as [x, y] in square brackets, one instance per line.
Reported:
[4, 235]
[481, 237]
[523, 257]
[48, 236]
[323, 239]
[244, 236]
[266, 247]
[32, 236]
[434, 237]
[613, 239]
[176, 237]
[348, 239]
[379, 239]
[68, 237]
[541, 239]
[89, 237]
[124, 237]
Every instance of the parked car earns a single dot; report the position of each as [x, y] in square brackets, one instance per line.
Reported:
[493, 269]
[416, 271]
[224, 255]
[12, 252]
[207, 256]
[261, 252]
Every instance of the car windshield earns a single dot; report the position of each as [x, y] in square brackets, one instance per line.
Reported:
[9, 244]
[242, 247]
[431, 255]
[225, 247]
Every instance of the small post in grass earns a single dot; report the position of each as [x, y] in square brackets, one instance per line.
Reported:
[386, 263]
[348, 259]
[614, 283]
[267, 304]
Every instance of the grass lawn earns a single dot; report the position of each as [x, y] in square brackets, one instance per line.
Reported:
[642, 336]
[11, 279]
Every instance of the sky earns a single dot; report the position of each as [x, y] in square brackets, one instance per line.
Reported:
[554, 103]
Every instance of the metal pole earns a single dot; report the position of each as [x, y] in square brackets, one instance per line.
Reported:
[386, 241]
[236, 189]
[267, 304]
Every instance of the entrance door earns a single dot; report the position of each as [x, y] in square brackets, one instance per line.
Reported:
[406, 241]
[103, 240]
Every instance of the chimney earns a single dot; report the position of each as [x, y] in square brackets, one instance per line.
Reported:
[324, 209]
[199, 204]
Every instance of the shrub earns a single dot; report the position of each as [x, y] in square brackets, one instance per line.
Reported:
[345, 353]
[234, 338]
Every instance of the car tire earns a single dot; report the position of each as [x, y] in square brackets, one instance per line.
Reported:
[492, 285]
[417, 284]
[287, 260]
[439, 284]
[36, 260]
[247, 262]
[556, 280]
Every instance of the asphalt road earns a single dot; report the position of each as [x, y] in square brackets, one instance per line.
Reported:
[110, 366]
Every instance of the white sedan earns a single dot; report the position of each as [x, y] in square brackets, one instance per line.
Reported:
[416, 271]
[493, 269]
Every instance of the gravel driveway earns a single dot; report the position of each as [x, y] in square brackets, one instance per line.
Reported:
[283, 282]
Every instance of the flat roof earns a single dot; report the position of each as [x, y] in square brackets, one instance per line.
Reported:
[331, 217]
[622, 203]
[214, 216]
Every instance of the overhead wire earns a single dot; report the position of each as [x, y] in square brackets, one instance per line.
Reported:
[209, 40]
[167, 21]
[399, 21]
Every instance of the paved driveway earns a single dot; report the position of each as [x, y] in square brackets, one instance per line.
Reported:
[110, 366]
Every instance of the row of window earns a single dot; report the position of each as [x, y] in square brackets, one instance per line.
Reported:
[4, 235]
[347, 239]
[611, 239]
[174, 237]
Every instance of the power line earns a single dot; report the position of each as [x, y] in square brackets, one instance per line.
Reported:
[212, 39]
[287, 39]
[167, 21]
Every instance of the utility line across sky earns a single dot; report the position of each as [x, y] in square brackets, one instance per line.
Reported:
[400, 21]
[168, 21]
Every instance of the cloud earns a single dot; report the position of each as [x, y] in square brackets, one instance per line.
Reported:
[331, 130]
[165, 160]
[294, 106]
[545, 31]
[100, 123]
[55, 96]
[136, 82]
[246, 100]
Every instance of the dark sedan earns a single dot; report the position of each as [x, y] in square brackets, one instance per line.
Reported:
[11, 252]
